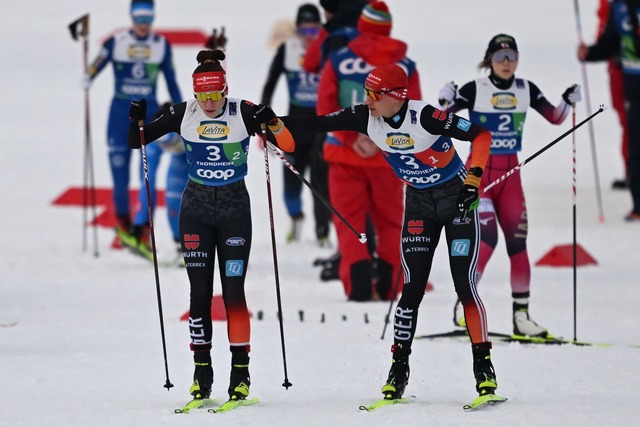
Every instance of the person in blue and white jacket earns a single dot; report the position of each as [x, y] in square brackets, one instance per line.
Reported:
[138, 57]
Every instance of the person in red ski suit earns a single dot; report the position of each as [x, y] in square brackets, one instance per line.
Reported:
[338, 30]
[361, 184]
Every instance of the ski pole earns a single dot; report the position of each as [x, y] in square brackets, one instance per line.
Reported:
[391, 300]
[88, 188]
[147, 185]
[286, 384]
[362, 237]
[587, 99]
[575, 197]
[542, 150]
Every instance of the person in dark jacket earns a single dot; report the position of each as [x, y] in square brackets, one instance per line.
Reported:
[303, 95]
[621, 36]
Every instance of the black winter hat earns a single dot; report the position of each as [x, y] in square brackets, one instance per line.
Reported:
[330, 6]
[308, 13]
[499, 42]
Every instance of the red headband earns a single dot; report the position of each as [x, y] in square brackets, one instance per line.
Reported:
[210, 81]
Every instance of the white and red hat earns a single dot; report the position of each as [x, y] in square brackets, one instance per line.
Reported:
[389, 79]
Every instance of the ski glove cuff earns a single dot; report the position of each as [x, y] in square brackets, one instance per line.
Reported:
[473, 176]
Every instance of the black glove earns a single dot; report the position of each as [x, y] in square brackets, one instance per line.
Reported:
[216, 41]
[468, 198]
[138, 110]
[264, 114]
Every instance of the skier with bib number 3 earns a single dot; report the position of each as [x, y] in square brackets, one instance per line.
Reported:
[440, 193]
[215, 214]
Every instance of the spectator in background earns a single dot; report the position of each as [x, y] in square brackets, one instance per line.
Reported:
[138, 56]
[621, 37]
[361, 184]
[617, 95]
[340, 28]
[303, 94]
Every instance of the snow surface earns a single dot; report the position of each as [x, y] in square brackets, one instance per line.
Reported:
[86, 350]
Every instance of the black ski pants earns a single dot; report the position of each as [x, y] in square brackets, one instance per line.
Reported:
[216, 218]
[427, 212]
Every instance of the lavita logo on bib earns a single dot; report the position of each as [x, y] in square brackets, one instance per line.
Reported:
[213, 130]
[504, 101]
[399, 141]
[139, 51]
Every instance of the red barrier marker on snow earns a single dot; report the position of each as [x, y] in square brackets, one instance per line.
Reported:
[562, 256]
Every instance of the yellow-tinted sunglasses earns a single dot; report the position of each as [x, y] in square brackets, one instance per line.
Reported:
[377, 96]
[214, 96]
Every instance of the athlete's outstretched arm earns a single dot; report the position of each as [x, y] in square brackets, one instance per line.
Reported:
[256, 116]
[353, 118]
